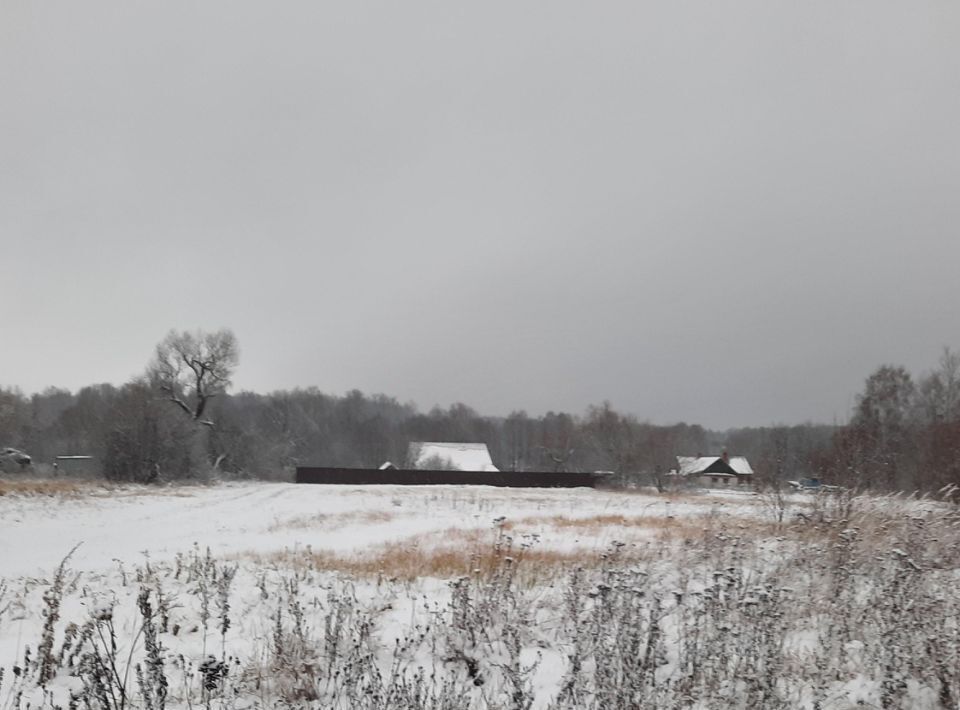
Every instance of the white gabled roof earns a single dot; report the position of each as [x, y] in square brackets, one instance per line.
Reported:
[466, 457]
[689, 465]
[692, 465]
[740, 464]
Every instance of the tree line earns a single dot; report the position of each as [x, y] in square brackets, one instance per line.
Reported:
[179, 421]
[905, 431]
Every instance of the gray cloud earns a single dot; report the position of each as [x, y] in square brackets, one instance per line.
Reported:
[718, 212]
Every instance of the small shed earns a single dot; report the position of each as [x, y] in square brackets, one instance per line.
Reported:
[76, 465]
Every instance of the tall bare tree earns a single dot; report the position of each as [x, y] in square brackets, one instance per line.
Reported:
[191, 368]
[939, 391]
[883, 425]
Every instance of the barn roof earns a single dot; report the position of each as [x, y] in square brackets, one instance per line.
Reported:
[465, 456]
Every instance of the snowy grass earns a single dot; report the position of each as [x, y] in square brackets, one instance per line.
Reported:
[481, 598]
[333, 520]
[447, 554]
[56, 487]
[51, 487]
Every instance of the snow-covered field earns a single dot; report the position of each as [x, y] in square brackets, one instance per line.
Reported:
[36, 532]
[278, 595]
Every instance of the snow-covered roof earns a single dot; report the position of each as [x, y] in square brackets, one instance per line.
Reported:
[465, 457]
[692, 465]
[15, 455]
[740, 464]
[688, 465]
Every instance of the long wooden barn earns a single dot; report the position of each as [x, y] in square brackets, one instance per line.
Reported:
[419, 477]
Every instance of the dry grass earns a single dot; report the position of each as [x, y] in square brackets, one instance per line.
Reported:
[175, 491]
[457, 552]
[73, 488]
[449, 554]
[475, 552]
[45, 487]
[333, 520]
[395, 561]
[878, 527]
[652, 526]
[674, 495]
[590, 523]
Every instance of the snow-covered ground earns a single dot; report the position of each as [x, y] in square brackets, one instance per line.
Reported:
[36, 532]
[261, 595]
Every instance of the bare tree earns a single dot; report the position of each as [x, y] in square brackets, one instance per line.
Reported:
[939, 391]
[614, 437]
[437, 463]
[883, 424]
[558, 441]
[774, 468]
[191, 368]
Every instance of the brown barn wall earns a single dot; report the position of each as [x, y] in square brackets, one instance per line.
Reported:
[509, 479]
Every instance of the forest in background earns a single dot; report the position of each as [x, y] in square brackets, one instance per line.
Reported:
[178, 421]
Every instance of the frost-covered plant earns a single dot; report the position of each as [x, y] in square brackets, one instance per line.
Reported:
[46, 659]
[151, 678]
[224, 579]
[858, 604]
[4, 598]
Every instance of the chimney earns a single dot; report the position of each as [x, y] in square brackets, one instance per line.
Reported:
[725, 456]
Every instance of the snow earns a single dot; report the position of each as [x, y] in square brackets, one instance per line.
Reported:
[694, 464]
[740, 464]
[466, 457]
[36, 532]
[120, 530]
[113, 533]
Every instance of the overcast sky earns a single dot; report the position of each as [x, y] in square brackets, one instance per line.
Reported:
[719, 212]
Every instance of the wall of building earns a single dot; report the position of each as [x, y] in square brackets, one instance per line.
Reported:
[364, 476]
